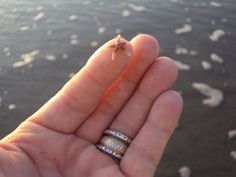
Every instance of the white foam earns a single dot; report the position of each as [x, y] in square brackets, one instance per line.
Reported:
[233, 154]
[176, 1]
[215, 96]
[50, 57]
[118, 31]
[5, 92]
[94, 43]
[185, 171]
[206, 65]
[11, 106]
[185, 29]
[193, 52]
[39, 16]
[125, 13]
[232, 134]
[39, 8]
[184, 51]
[74, 36]
[74, 41]
[224, 20]
[182, 66]
[24, 28]
[216, 35]
[71, 75]
[216, 58]
[34, 52]
[8, 54]
[73, 17]
[215, 4]
[137, 8]
[186, 9]
[6, 49]
[86, 2]
[65, 56]
[101, 30]
[181, 50]
[26, 59]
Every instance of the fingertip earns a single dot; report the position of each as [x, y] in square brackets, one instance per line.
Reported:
[107, 61]
[169, 65]
[170, 103]
[173, 98]
[160, 77]
[145, 46]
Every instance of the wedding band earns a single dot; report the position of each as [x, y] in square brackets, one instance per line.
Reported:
[109, 151]
[118, 135]
[114, 144]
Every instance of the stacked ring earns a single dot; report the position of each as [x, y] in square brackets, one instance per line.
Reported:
[114, 143]
[109, 151]
[118, 135]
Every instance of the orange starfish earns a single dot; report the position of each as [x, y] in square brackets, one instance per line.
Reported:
[119, 47]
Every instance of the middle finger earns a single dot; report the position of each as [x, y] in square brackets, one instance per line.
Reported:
[145, 50]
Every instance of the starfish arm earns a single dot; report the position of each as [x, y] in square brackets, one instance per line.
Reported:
[118, 39]
[126, 52]
[112, 46]
[122, 48]
[113, 55]
[122, 43]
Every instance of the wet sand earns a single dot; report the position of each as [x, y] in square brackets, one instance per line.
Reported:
[190, 32]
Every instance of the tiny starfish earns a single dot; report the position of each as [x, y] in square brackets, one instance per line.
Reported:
[119, 46]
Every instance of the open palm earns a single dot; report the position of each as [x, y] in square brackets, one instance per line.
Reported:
[130, 94]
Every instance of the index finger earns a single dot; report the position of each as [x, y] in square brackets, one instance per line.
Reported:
[79, 97]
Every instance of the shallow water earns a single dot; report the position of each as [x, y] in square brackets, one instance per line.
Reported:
[65, 34]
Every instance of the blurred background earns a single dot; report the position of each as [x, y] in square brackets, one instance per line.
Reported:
[43, 43]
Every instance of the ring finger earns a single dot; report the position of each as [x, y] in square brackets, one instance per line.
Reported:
[159, 78]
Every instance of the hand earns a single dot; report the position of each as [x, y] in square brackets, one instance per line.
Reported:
[130, 94]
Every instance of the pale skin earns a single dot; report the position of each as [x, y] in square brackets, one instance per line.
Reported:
[131, 93]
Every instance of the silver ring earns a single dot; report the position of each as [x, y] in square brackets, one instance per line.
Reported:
[114, 144]
[109, 151]
[118, 135]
